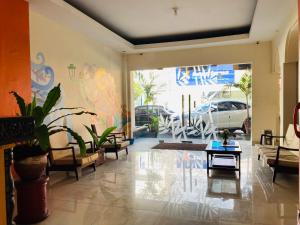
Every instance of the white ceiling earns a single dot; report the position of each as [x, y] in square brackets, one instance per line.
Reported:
[152, 18]
[269, 17]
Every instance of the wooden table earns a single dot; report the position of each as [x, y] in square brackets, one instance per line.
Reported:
[215, 148]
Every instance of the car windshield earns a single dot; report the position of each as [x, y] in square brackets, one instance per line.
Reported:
[203, 108]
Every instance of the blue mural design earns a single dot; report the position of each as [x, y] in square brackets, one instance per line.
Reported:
[42, 81]
[205, 75]
[42, 78]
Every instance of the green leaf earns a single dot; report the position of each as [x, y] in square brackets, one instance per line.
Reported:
[42, 135]
[94, 136]
[33, 104]
[20, 102]
[105, 133]
[70, 114]
[79, 140]
[28, 109]
[51, 99]
[38, 115]
[51, 132]
[68, 108]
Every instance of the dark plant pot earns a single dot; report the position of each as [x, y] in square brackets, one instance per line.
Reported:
[131, 141]
[151, 134]
[29, 162]
[31, 168]
[32, 201]
[225, 142]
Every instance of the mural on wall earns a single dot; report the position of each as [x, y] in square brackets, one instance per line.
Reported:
[42, 81]
[96, 87]
[99, 90]
[42, 78]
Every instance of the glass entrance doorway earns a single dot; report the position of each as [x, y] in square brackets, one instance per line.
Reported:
[194, 102]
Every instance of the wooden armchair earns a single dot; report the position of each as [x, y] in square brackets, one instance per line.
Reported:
[117, 142]
[284, 157]
[66, 159]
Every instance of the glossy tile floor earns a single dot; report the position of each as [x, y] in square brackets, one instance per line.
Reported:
[169, 187]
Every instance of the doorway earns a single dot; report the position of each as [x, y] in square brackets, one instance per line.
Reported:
[192, 102]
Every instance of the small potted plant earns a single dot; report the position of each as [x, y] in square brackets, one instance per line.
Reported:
[153, 126]
[99, 141]
[225, 135]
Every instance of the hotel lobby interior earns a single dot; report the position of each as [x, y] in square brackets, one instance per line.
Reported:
[149, 112]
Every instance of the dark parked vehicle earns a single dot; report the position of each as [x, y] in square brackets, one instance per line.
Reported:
[143, 114]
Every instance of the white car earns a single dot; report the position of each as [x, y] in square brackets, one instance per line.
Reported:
[225, 114]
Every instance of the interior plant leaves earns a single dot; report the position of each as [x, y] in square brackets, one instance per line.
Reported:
[54, 131]
[38, 115]
[65, 108]
[20, 102]
[105, 133]
[78, 138]
[51, 99]
[70, 114]
[42, 135]
[33, 104]
[94, 136]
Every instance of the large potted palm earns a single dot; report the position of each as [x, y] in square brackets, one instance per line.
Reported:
[30, 157]
[245, 85]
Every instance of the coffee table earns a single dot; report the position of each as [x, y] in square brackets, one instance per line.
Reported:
[223, 157]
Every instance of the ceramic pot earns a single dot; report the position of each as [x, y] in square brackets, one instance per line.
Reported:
[31, 168]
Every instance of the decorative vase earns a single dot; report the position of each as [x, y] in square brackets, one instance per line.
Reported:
[225, 141]
[32, 201]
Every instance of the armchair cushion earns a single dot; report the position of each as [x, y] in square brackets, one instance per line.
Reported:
[286, 158]
[80, 160]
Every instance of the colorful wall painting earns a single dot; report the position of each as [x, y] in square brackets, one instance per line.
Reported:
[42, 81]
[99, 90]
[42, 78]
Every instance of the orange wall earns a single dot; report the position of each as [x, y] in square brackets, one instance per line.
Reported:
[14, 67]
[14, 54]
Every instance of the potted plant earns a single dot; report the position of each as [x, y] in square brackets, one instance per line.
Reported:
[153, 126]
[99, 141]
[30, 157]
[245, 85]
[225, 135]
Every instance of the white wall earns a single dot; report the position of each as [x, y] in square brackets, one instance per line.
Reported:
[265, 100]
[285, 51]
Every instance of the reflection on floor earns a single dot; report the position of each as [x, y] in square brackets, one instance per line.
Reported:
[170, 187]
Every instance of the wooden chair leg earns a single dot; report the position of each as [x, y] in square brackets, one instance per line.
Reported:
[117, 155]
[274, 175]
[47, 171]
[126, 151]
[76, 173]
[94, 166]
[258, 157]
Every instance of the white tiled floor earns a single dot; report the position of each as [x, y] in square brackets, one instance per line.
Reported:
[169, 187]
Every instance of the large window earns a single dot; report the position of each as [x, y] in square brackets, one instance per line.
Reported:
[192, 102]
